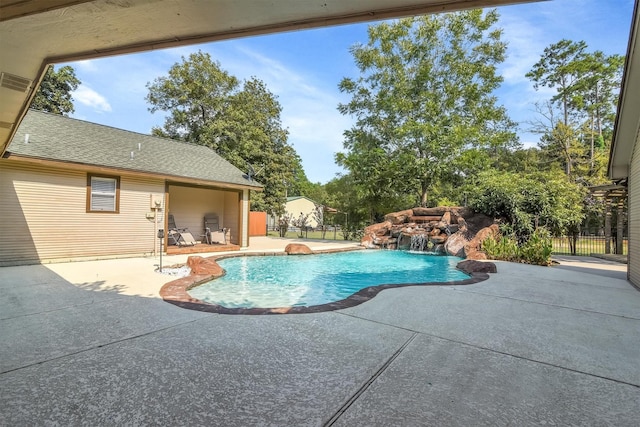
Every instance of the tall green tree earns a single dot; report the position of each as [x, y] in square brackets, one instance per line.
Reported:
[239, 120]
[423, 98]
[578, 120]
[54, 94]
[596, 95]
[559, 68]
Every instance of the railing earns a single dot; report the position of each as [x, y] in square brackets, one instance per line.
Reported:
[586, 245]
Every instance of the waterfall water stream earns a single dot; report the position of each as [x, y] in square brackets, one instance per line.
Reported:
[419, 242]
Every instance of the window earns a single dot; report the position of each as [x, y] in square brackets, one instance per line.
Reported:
[103, 194]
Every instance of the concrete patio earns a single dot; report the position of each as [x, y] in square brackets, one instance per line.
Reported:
[91, 343]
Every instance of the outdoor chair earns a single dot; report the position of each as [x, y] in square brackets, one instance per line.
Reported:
[213, 233]
[179, 236]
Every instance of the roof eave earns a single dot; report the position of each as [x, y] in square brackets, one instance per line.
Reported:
[625, 132]
[91, 167]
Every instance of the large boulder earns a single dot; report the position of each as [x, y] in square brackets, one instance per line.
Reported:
[467, 241]
[379, 229]
[439, 239]
[399, 217]
[472, 266]
[475, 244]
[439, 211]
[367, 242]
[297, 249]
[455, 244]
[209, 267]
[446, 218]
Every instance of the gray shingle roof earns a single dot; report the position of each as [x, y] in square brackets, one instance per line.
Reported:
[55, 137]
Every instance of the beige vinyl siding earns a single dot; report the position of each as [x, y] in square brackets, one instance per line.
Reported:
[44, 216]
[634, 215]
[304, 206]
[232, 213]
[190, 204]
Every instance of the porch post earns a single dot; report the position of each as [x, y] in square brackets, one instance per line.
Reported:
[607, 225]
[245, 219]
[620, 227]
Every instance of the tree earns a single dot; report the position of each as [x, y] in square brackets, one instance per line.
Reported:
[54, 94]
[586, 96]
[596, 95]
[424, 97]
[208, 106]
[558, 68]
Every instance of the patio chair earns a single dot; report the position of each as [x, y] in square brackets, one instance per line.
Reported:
[179, 236]
[213, 233]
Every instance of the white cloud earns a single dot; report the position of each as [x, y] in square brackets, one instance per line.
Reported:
[89, 97]
[89, 65]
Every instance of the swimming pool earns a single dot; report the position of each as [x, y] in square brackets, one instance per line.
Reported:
[294, 281]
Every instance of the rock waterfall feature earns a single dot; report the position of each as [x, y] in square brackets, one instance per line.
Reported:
[454, 231]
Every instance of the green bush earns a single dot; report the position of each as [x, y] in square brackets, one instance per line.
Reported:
[525, 202]
[536, 250]
[503, 248]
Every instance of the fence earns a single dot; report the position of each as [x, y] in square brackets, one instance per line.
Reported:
[331, 233]
[257, 223]
[586, 245]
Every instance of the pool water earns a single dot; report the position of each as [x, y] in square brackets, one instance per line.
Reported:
[308, 280]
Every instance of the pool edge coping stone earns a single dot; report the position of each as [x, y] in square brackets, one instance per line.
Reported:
[176, 291]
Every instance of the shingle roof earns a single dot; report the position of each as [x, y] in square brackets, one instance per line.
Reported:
[54, 137]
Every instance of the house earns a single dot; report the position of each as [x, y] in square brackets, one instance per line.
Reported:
[624, 163]
[302, 205]
[71, 189]
[295, 206]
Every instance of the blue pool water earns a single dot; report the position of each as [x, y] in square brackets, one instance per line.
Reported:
[286, 281]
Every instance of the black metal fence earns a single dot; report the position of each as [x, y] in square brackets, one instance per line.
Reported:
[587, 245]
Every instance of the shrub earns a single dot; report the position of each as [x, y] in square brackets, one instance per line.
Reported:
[535, 250]
[503, 248]
[527, 201]
[302, 223]
[283, 224]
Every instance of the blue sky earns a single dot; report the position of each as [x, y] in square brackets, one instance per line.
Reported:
[303, 69]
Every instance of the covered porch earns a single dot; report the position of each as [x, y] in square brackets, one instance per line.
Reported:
[201, 248]
[188, 205]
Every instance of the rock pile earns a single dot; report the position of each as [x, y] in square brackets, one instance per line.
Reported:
[456, 231]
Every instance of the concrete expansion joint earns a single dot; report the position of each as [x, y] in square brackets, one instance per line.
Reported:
[68, 307]
[528, 359]
[528, 301]
[98, 346]
[368, 383]
[479, 347]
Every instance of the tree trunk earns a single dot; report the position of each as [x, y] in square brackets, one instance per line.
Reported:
[423, 199]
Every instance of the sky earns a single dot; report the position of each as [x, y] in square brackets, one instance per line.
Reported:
[303, 70]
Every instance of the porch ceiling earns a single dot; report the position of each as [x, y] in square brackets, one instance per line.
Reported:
[35, 33]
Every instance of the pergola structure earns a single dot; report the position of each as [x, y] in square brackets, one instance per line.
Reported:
[614, 195]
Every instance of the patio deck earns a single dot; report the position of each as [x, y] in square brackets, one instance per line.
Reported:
[92, 344]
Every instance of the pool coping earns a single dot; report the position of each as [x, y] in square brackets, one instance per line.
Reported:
[176, 291]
